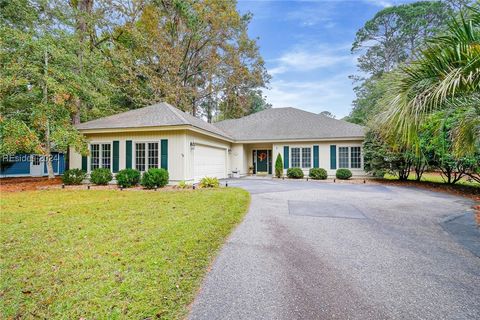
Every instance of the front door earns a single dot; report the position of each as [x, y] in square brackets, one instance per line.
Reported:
[36, 166]
[262, 161]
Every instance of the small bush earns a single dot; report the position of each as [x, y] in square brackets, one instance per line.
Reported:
[128, 177]
[73, 176]
[295, 173]
[279, 166]
[343, 174]
[318, 174]
[101, 176]
[183, 185]
[209, 182]
[155, 177]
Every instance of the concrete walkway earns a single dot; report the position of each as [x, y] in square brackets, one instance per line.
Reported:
[315, 250]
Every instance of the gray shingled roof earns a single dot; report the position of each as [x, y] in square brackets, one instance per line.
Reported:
[288, 123]
[160, 114]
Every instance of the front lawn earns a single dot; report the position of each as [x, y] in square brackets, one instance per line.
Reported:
[98, 254]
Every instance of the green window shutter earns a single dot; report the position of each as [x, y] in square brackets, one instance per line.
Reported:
[315, 157]
[286, 154]
[333, 156]
[164, 154]
[116, 155]
[84, 163]
[128, 154]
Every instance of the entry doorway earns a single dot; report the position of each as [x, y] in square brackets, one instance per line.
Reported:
[262, 161]
[36, 166]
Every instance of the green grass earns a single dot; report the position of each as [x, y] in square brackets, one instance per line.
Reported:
[435, 178]
[110, 254]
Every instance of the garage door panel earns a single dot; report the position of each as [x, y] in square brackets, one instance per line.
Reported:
[209, 162]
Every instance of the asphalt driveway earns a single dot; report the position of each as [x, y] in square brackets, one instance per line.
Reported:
[315, 250]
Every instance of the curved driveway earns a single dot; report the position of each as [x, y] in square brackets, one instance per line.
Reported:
[318, 250]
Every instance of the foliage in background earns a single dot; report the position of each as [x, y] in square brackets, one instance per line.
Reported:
[446, 76]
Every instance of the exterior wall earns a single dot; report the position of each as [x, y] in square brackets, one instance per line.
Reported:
[324, 154]
[239, 159]
[201, 139]
[20, 165]
[176, 149]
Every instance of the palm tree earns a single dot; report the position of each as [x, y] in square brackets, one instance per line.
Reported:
[445, 76]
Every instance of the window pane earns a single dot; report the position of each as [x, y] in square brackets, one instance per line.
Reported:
[153, 155]
[106, 152]
[355, 158]
[140, 156]
[295, 157]
[306, 157]
[94, 156]
[343, 157]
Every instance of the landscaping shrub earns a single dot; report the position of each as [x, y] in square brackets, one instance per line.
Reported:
[318, 173]
[128, 177]
[343, 174]
[279, 166]
[183, 185]
[295, 173]
[101, 176]
[73, 176]
[155, 177]
[209, 182]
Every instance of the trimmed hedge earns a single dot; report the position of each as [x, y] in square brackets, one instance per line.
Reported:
[295, 173]
[343, 174]
[155, 177]
[73, 176]
[128, 177]
[318, 174]
[209, 182]
[101, 176]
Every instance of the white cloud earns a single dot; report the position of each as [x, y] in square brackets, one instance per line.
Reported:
[334, 95]
[308, 59]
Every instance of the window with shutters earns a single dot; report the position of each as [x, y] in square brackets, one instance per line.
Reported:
[306, 157]
[350, 157]
[295, 157]
[343, 157]
[100, 156]
[146, 155]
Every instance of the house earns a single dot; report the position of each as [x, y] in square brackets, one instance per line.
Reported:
[30, 165]
[190, 148]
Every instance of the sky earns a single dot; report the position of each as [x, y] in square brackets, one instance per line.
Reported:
[306, 47]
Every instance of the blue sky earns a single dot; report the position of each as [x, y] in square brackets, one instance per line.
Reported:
[306, 47]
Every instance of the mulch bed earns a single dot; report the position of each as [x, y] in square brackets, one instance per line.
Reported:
[27, 183]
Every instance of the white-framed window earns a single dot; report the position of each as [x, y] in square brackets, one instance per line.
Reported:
[295, 157]
[301, 157]
[100, 156]
[306, 157]
[350, 157]
[343, 157]
[146, 155]
[355, 158]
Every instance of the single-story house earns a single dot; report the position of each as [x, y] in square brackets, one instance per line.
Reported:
[190, 148]
[30, 165]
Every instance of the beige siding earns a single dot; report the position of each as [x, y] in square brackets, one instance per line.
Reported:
[324, 153]
[238, 159]
[176, 148]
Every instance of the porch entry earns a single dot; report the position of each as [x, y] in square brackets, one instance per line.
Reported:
[262, 161]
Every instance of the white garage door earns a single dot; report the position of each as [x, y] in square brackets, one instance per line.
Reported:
[209, 162]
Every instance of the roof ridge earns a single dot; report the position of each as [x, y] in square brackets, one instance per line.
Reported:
[176, 112]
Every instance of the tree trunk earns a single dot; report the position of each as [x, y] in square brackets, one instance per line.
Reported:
[48, 153]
